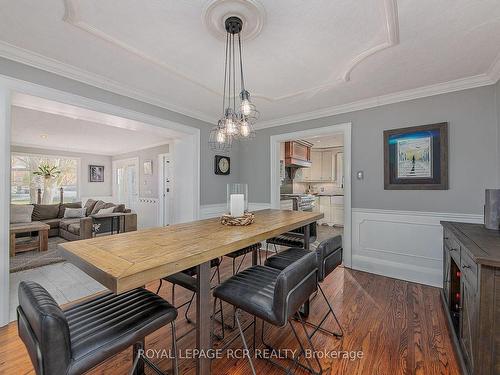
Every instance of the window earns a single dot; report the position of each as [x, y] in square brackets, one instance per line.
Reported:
[31, 174]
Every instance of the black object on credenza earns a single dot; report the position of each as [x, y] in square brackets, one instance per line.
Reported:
[471, 295]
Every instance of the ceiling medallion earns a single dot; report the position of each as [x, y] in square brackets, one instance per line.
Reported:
[238, 112]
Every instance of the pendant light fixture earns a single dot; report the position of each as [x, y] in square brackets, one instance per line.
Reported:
[238, 112]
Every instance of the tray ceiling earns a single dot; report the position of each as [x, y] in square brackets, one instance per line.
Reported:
[302, 57]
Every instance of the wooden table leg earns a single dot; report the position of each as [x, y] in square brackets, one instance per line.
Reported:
[203, 335]
[43, 237]
[12, 246]
[254, 256]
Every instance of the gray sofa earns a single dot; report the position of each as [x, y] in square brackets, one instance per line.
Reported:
[81, 228]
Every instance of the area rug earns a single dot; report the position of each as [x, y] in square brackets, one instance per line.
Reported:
[34, 259]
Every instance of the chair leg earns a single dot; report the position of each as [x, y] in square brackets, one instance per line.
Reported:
[175, 364]
[159, 286]
[242, 334]
[310, 345]
[302, 351]
[187, 309]
[325, 330]
[138, 364]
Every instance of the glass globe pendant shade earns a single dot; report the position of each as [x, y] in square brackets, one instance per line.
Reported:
[231, 128]
[246, 107]
[221, 136]
[244, 129]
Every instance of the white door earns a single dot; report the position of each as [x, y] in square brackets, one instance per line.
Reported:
[126, 182]
[165, 188]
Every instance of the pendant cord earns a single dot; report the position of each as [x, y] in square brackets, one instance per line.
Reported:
[225, 74]
[234, 80]
[241, 65]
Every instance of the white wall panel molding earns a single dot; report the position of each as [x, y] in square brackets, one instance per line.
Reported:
[402, 244]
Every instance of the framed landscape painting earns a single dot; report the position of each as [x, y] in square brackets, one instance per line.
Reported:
[416, 158]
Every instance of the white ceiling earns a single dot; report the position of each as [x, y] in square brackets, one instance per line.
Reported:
[309, 58]
[45, 124]
[325, 141]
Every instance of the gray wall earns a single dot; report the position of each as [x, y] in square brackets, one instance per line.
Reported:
[497, 95]
[473, 159]
[213, 188]
[148, 184]
[87, 189]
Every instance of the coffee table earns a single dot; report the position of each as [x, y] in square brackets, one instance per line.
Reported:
[42, 244]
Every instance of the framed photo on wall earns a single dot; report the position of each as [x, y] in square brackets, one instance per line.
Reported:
[416, 158]
[96, 173]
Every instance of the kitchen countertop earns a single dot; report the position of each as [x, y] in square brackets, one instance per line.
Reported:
[328, 195]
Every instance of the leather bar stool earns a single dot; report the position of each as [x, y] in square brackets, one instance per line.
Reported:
[295, 238]
[329, 255]
[186, 279]
[275, 297]
[75, 340]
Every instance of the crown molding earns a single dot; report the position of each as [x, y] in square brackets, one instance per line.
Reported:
[401, 96]
[38, 61]
[390, 9]
[494, 69]
[51, 65]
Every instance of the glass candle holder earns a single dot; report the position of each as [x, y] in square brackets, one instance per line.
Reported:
[237, 199]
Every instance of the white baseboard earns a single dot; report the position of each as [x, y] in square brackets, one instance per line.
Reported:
[405, 245]
[208, 211]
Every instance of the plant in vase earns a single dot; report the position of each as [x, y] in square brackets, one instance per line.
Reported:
[49, 174]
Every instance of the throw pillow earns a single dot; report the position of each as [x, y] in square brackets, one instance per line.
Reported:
[89, 206]
[120, 208]
[45, 211]
[20, 213]
[98, 205]
[108, 210]
[63, 207]
[74, 213]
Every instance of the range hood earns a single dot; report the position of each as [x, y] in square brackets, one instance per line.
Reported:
[297, 163]
[298, 154]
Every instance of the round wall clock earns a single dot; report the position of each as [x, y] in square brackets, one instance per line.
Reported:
[222, 165]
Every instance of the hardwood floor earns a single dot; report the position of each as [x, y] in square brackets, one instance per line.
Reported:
[398, 326]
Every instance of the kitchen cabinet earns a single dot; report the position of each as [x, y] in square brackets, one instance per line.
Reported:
[324, 167]
[327, 166]
[326, 209]
[332, 207]
[315, 170]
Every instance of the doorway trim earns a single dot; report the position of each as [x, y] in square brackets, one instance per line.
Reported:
[345, 129]
[9, 85]
[161, 197]
[114, 176]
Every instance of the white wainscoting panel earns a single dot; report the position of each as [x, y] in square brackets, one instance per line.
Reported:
[405, 245]
[208, 211]
[147, 212]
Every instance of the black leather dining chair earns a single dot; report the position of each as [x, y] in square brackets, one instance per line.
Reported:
[75, 340]
[186, 279]
[275, 297]
[241, 253]
[294, 238]
[329, 257]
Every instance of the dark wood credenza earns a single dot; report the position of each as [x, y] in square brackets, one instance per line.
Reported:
[471, 295]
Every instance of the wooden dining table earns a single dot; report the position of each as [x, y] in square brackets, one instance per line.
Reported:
[129, 260]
